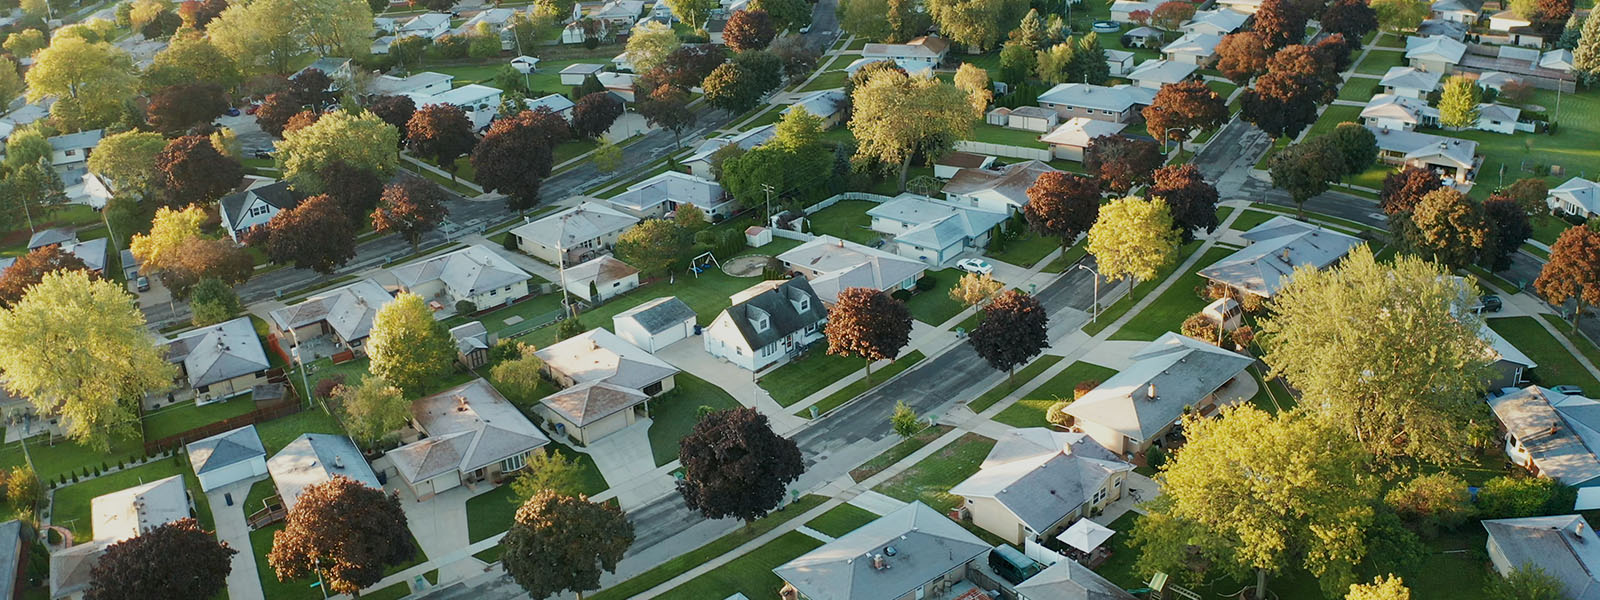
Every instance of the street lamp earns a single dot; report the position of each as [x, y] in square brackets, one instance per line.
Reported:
[1094, 316]
[1164, 139]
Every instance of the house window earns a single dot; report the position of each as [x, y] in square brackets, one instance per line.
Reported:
[514, 463]
[759, 322]
[805, 303]
[71, 153]
[203, 389]
[652, 389]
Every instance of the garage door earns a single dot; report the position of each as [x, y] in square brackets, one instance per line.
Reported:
[444, 482]
[669, 337]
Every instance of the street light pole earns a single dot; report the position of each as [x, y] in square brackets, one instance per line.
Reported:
[1094, 316]
[1164, 139]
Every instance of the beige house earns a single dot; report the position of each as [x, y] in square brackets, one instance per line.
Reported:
[580, 233]
[466, 435]
[607, 383]
[473, 274]
[117, 516]
[344, 315]
[214, 363]
[1036, 482]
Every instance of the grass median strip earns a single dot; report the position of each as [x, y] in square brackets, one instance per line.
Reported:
[1011, 384]
[860, 387]
[898, 452]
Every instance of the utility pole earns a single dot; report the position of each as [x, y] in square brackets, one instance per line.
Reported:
[561, 265]
[768, 188]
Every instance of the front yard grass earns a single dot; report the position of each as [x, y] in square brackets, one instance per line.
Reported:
[842, 519]
[857, 388]
[934, 306]
[718, 547]
[1110, 313]
[808, 373]
[1331, 118]
[1027, 250]
[1030, 411]
[1169, 309]
[1010, 384]
[672, 417]
[847, 220]
[750, 574]
[1378, 61]
[828, 80]
[1249, 219]
[898, 452]
[1556, 365]
[930, 479]
[491, 512]
[1360, 89]
[71, 505]
[174, 420]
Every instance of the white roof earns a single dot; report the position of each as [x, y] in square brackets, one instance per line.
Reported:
[1086, 535]
[1436, 47]
[426, 22]
[601, 271]
[1498, 112]
[845, 264]
[935, 224]
[1411, 78]
[1559, 60]
[582, 69]
[1167, 375]
[1559, 432]
[1564, 546]
[822, 103]
[77, 141]
[347, 310]
[1398, 108]
[131, 512]
[600, 356]
[1197, 43]
[573, 226]
[469, 426]
[674, 186]
[1226, 20]
[466, 272]
[745, 139]
[1581, 192]
[389, 84]
[557, 103]
[1089, 96]
[315, 458]
[1079, 131]
[471, 93]
[1162, 72]
[1427, 147]
[1277, 247]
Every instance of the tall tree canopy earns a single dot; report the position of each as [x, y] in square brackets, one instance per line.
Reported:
[1192, 201]
[654, 246]
[979, 24]
[170, 231]
[1402, 386]
[1133, 238]
[1458, 103]
[594, 113]
[1403, 189]
[1012, 332]
[1306, 169]
[173, 560]
[734, 465]
[265, 36]
[649, 44]
[896, 118]
[190, 170]
[1120, 162]
[344, 529]
[1351, 18]
[1400, 15]
[315, 234]
[372, 409]
[77, 347]
[90, 81]
[176, 108]
[441, 133]
[1182, 109]
[748, 30]
[1573, 271]
[360, 140]
[410, 207]
[1242, 55]
[408, 347]
[189, 59]
[1508, 226]
[128, 160]
[869, 324]
[517, 153]
[29, 269]
[559, 543]
[1062, 205]
[1447, 227]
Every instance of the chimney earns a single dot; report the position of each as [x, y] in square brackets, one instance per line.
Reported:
[338, 461]
[879, 563]
[1150, 392]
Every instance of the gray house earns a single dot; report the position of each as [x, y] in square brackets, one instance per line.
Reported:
[1036, 482]
[1565, 546]
[913, 552]
[1276, 248]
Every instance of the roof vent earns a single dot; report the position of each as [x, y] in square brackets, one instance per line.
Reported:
[890, 551]
[338, 461]
[879, 563]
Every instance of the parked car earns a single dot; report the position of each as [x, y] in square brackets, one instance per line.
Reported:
[1490, 303]
[250, 110]
[142, 283]
[1570, 390]
[975, 265]
[233, 112]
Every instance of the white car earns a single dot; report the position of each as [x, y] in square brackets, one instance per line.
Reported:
[975, 265]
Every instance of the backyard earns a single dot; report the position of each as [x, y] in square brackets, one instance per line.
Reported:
[1556, 365]
[1030, 411]
[1572, 148]
[847, 220]
[184, 416]
[71, 505]
[931, 479]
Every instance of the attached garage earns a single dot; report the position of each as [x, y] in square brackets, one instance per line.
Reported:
[655, 324]
[228, 457]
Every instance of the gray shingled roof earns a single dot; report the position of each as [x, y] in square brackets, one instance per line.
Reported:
[348, 310]
[226, 448]
[1551, 435]
[777, 302]
[11, 533]
[276, 194]
[469, 271]
[1565, 546]
[469, 426]
[599, 355]
[1180, 370]
[220, 352]
[658, 315]
[926, 545]
[314, 458]
[1041, 476]
[1069, 580]
[1276, 248]
[470, 337]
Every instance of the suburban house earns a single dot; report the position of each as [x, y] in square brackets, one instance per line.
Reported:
[1455, 160]
[1554, 435]
[465, 435]
[1507, 20]
[574, 74]
[1497, 118]
[556, 103]
[1564, 546]
[1120, 62]
[428, 25]
[1098, 102]
[1276, 248]
[91, 252]
[344, 313]
[1070, 580]
[767, 323]
[619, 84]
[1169, 378]
[1249, 7]
[1219, 22]
[1440, 27]
[1152, 74]
[1434, 54]
[618, 15]
[605, 274]
[1026, 118]
[831, 264]
[1578, 196]
[1517, 30]
[473, 274]
[655, 324]
[1003, 189]
[16, 546]
[1070, 139]
[1464, 12]
[1402, 113]
[473, 342]
[951, 163]
[500, 21]
[935, 232]
[1122, 10]
[74, 148]
[215, 362]
[826, 104]
[1508, 362]
[699, 163]
[337, 69]
[227, 458]
[1195, 48]
[315, 458]
[525, 64]
[920, 54]
[480, 102]
[1148, 38]
[573, 235]
[659, 195]
[606, 382]
[1036, 482]
[913, 552]
[244, 211]
[117, 516]
[1559, 59]
[416, 85]
[1410, 82]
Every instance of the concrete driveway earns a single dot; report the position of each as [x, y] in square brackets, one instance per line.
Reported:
[233, 530]
[690, 355]
[626, 460]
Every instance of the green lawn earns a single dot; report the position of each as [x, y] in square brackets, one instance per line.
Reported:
[570, 149]
[1249, 219]
[1572, 147]
[1030, 411]
[805, 375]
[71, 504]
[842, 519]
[1360, 89]
[1223, 213]
[898, 452]
[750, 574]
[1331, 118]
[1169, 309]
[1027, 250]
[1222, 88]
[994, 134]
[676, 413]
[934, 306]
[260, 492]
[1110, 313]
[1378, 61]
[1556, 365]
[828, 80]
[718, 547]
[527, 313]
[930, 480]
[848, 220]
[177, 419]
[66, 458]
[261, 544]
[1010, 384]
[491, 512]
[277, 433]
[857, 388]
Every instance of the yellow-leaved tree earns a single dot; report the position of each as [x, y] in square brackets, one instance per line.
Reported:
[1382, 588]
[169, 231]
[78, 347]
[896, 117]
[90, 81]
[1133, 237]
[408, 347]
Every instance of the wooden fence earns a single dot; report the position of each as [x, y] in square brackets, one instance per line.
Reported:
[289, 405]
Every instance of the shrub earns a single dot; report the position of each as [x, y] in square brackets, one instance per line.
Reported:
[1515, 497]
[1057, 416]
[1084, 387]
[509, 242]
[465, 307]
[926, 283]
[1431, 502]
[1243, 336]
[901, 295]
[1155, 457]
[1200, 327]
[326, 385]
[569, 328]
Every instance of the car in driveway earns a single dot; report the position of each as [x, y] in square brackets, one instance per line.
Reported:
[975, 265]
[1490, 303]
[142, 284]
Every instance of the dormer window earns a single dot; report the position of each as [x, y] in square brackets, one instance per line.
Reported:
[759, 319]
[803, 304]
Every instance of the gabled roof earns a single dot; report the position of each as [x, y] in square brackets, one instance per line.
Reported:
[496, 17]
[1552, 437]
[1468, 6]
[1168, 374]
[671, 186]
[1196, 43]
[51, 237]
[217, 353]
[745, 139]
[1502, 349]
[618, 9]
[469, 426]
[1398, 108]
[1527, 55]
[925, 545]
[582, 69]
[657, 315]
[1435, 48]
[461, 96]
[935, 224]
[1041, 489]
[822, 103]
[1078, 132]
[1581, 192]
[600, 356]
[466, 272]
[225, 449]
[470, 337]
[1163, 71]
[77, 141]
[315, 458]
[845, 264]
[348, 310]
[1009, 183]
[1225, 20]
[601, 270]
[1070, 580]
[1498, 112]
[1559, 59]
[1440, 27]
[1089, 96]
[1427, 147]
[778, 302]
[426, 22]
[576, 225]
[1411, 78]
[389, 84]
[557, 103]
[1277, 247]
[1565, 546]
[921, 47]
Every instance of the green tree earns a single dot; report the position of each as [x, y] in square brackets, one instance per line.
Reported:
[11, 84]
[1402, 386]
[979, 24]
[905, 421]
[169, 232]
[265, 36]
[1506, 497]
[521, 379]
[128, 160]
[360, 140]
[24, 43]
[90, 82]
[1306, 169]
[212, 302]
[1133, 237]
[649, 45]
[1260, 493]
[1054, 64]
[974, 81]
[1458, 104]
[79, 348]
[563, 543]
[408, 347]
[1017, 63]
[1357, 145]
[896, 118]
[693, 12]
[1031, 32]
[1526, 582]
[26, 146]
[373, 409]
[1586, 57]
[190, 59]
[1431, 502]
[1447, 227]
[786, 14]
[607, 157]
[547, 470]
[654, 246]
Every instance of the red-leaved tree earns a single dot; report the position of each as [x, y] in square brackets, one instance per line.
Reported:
[517, 154]
[869, 324]
[190, 170]
[748, 30]
[1120, 162]
[410, 207]
[344, 530]
[315, 234]
[1062, 205]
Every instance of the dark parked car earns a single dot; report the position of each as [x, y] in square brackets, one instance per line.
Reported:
[233, 112]
[143, 283]
[1490, 303]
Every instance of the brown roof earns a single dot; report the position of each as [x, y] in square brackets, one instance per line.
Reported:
[586, 403]
[1012, 182]
[963, 160]
[937, 44]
